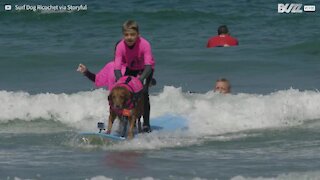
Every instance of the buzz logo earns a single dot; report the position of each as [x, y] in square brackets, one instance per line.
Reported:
[289, 8]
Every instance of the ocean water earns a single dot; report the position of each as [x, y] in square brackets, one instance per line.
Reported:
[268, 128]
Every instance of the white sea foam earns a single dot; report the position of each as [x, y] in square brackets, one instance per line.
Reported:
[144, 178]
[100, 178]
[205, 115]
[313, 175]
[75, 109]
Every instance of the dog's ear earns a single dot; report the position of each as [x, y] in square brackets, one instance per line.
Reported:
[110, 96]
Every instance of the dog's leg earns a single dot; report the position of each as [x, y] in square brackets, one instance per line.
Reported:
[124, 124]
[139, 124]
[112, 117]
[140, 113]
[132, 120]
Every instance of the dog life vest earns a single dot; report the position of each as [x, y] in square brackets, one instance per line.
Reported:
[134, 85]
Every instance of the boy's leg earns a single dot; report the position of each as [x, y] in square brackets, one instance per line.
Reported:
[146, 114]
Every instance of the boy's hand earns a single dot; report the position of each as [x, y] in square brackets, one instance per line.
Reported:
[82, 68]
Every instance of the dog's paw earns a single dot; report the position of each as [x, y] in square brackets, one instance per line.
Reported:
[130, 136]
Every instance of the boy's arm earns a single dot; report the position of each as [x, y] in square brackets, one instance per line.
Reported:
[118, 74]
[148, 57]
[117, 62]
[148, 62]
[90, 75]
[146, 72]
[85, 71]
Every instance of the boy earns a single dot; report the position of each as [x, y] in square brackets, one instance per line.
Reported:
[134, 52]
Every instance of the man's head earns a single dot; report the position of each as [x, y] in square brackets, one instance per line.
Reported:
[130, 31]
[222, 86]
[223, 30]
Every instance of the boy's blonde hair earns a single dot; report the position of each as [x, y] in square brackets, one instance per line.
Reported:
[130, 25]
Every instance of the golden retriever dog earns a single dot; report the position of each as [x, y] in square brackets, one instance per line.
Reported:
[122, 103]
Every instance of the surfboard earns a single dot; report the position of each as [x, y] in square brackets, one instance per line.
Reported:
[164, 123]
[170, 122]
[96, 138]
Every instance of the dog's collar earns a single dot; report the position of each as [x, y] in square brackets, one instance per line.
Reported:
[122, 112]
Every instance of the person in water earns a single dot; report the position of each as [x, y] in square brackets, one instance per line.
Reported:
[222, 86]
[223, 39]
[134, 52]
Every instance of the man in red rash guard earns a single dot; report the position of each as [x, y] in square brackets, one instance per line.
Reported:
[223, 39]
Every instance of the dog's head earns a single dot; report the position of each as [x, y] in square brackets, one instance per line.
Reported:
[119, 96]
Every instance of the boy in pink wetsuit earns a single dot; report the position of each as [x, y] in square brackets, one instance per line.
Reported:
[134, 52]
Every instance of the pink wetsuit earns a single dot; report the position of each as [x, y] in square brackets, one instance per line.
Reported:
[135, 58]
[105, 77]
